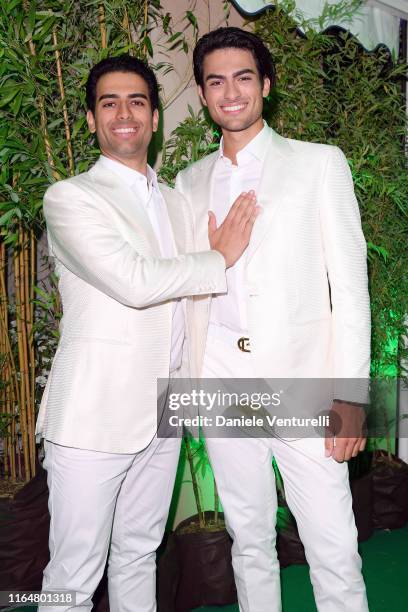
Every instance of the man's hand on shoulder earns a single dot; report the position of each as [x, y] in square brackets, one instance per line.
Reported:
[232, 237]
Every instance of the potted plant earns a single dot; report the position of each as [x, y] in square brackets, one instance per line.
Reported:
[195, 569]
[389, 473]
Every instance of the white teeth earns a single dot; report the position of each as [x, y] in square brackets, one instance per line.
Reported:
[125, 130]
[233, 108]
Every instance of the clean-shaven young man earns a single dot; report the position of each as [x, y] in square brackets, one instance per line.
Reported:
[119, 242]
[297, 307]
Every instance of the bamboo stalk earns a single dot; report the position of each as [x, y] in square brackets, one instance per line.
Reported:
[4, 410]
[33, 269]
[20, 342]
[102, 25]
[9, 440]
[126, 26]
[6, 444]
[146, 12]
[4, 404]
[201, 516]
[19, 465]
[23, 312]
[13, 437]
[216, 503]
[27, 340]
[41, 108]
[145, 21]
[64, 103]
[4, 327]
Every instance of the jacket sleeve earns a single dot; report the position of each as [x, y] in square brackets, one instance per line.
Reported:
[83, 238]
[346, 262]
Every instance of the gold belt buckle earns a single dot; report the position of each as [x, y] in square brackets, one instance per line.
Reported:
[243, 344]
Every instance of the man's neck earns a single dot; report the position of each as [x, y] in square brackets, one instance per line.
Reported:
[140, 165]
[234, 142]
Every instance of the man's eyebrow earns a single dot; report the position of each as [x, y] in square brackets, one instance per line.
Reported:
[115, 96]
[235, 74]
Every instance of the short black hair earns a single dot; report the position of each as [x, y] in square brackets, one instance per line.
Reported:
[121, 63]
[227, 38]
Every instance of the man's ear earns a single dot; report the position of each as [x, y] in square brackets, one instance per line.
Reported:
[91, 121]
[266, 87]
[155, 120]
[201, 94]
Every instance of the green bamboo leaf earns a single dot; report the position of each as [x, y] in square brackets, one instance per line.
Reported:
[55, 123]
[39, 76]
[78, 125]
[379, 250]
[174, 37]
[41, 293]
[11, 238]
[8, 93]
[4, 219]
[149, 45]
[14, 197]
[31, 17]
[43, 31]
[191, 18]
[166, 22]
[16, 103]
[10, 6]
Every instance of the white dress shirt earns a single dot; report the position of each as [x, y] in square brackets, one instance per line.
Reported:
[147, 194]
[229, 180]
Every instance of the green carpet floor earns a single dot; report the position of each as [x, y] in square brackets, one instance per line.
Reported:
[385, 567]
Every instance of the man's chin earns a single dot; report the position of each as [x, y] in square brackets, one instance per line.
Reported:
[126, 151]
[235, 124]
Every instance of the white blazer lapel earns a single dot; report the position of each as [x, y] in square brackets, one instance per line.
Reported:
[176, 208]
[202, 189]
[272, 190]
[123, 201]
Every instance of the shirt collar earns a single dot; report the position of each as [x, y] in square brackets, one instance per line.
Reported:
[256, 148]
[129, 176]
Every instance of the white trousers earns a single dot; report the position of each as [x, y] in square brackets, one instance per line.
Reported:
[317, 492]
[97, 500]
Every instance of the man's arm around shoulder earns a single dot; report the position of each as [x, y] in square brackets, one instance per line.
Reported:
[84, 238]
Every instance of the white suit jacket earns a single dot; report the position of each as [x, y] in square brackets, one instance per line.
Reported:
[306, 277]
[117, 312]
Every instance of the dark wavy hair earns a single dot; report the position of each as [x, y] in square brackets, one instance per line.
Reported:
[227, 38]
[121, 63]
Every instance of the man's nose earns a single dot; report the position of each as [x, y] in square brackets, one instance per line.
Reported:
[231, 90]
[123, 111]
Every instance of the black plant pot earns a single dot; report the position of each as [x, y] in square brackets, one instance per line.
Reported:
[390, 491]
[361, 485]
[362, 493]
[289, 546]
[24, 527]
[195, 569]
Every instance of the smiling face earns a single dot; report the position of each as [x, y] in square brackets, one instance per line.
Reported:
[123, 118]
[233, 91]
